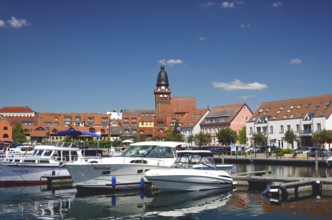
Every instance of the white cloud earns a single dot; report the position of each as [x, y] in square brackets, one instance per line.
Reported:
[2, 24]
[245, 97]
[17, 23]
[210, 4]
[224, 4]
[228, 5]
[170, 62]
[295, 61]
[245, 26]
[202, 38]
[238, 85]
[276, 4]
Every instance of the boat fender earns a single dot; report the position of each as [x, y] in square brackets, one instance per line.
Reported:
[113, 181]
[141, 184]
[266, 191]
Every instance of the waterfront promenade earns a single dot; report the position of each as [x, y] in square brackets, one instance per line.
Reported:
[262, 158]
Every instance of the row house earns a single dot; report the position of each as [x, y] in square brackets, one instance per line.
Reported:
[221, 117]
[303, 116]
[190, 122]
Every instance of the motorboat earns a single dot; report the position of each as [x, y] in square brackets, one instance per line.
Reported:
[125, 171]
[16, 151]
[45, 160]
[193, 170]
[329, 161]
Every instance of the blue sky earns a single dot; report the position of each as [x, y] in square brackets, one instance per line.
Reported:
[98, 55]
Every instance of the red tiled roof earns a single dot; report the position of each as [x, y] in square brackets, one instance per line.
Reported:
[17, 109]
[37, 133]
[320, 106]
[190, 119]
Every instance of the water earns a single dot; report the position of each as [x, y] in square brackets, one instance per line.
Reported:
[35, 202]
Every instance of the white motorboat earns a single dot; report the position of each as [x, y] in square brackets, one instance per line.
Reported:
[193, 170]
[46, 160]
[125, 171]
[17, 151]
[329, 161]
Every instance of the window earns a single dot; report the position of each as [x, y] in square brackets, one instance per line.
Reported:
[5, 128]
[78, 118]
[250, 131]
[67, 118]
[281, 129]
[271, 129]
[319, 127]
[288, 128]
[297, 128]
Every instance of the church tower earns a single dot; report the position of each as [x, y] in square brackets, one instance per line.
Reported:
[162, 93]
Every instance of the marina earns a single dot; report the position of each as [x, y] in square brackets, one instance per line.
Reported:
[37, 202]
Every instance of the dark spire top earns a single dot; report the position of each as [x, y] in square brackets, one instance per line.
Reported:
[162, 77]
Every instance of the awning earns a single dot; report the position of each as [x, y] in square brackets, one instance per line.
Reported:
[75, 133]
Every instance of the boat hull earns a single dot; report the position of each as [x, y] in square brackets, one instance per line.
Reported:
[28, 174]
[111, 176]
[189, 180]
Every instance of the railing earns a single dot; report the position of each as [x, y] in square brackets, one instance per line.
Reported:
[306, 131]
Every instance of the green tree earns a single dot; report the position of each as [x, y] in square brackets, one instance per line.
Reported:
[227, 136]
[202, 139]
[243, 135]
[173, 134]
[290, 137]
[322, 137]
[18, 134]
[259, 138]
[116, 143]
[191, 139]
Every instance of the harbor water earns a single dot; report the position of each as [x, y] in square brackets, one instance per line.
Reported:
[36, 202]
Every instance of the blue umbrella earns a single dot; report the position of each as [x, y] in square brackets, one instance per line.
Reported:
[75, 133]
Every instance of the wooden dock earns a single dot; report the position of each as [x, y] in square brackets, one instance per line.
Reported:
[281, 189]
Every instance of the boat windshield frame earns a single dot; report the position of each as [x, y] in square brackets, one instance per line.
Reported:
[150, 151]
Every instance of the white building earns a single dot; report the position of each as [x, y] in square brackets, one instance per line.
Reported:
[190, 122]
[303, 116]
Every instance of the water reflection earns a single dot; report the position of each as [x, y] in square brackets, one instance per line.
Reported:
[285, 171]
[33, 202]
[36, 203]
[187, 203]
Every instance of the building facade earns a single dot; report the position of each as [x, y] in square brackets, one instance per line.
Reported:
[303, 116]
[221, 117]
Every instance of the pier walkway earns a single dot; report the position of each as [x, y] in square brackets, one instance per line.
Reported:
[261, 158]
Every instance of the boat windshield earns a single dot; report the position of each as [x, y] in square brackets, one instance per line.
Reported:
[151, 151]
[64, 144]
[194, 161]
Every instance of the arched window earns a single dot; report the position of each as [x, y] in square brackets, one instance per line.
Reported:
[5, 128]
[5, 136]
